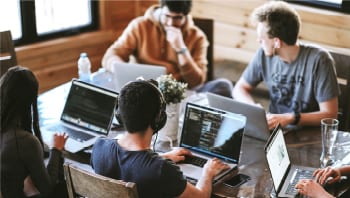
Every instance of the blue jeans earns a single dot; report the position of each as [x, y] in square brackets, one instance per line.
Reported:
[220, 86]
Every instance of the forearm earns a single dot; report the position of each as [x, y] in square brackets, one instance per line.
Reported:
[314, 118]
[242, 95]
[204, 185]
[55, 164]
[190, 71]
[345, 170]
[109, 59]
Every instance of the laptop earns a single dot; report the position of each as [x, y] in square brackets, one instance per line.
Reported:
[87, 114]
[256, 127]
[126, 72]
[208, 133]
[284, 174]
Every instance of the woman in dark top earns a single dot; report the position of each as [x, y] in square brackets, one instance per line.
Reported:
[23, 172]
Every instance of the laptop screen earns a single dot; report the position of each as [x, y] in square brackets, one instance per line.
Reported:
[126, 72]
[277, 157]
[212, 131]
[89, 107]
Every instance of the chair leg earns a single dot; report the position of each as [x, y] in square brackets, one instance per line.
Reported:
[68, 180]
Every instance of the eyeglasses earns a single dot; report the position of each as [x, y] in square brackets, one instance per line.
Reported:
[175, 18]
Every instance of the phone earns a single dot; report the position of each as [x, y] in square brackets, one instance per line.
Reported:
[237, 180]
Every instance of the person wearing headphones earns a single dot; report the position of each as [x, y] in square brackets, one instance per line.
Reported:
[141, 110]
[301, 78]
[167, 36]
[23, 172]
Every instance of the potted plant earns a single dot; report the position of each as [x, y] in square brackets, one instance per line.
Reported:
[173, 92]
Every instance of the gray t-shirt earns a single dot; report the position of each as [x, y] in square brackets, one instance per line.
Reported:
[298, 86]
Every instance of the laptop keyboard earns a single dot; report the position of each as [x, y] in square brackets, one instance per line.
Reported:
[191, 180]
[74, 134]
[298, 175]
[195, 160]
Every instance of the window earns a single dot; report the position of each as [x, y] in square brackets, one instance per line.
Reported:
[36, 20]
[336, 5]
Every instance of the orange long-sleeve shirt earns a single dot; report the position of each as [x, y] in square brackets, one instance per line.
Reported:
[145, 39]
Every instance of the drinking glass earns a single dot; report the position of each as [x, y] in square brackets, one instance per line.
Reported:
[329, 130]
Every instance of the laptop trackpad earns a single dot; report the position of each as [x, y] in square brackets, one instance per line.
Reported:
[191, 171]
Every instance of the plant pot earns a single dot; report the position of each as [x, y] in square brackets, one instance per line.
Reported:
[170, 131]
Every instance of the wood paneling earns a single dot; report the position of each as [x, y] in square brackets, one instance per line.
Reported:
[234, 33]
[55, 61]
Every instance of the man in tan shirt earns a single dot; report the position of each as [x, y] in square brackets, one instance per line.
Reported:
[166, 36]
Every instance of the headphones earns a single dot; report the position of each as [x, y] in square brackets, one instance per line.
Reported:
[161, 116]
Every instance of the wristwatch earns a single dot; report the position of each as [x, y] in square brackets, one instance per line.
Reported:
[182, 50]
[296, 118]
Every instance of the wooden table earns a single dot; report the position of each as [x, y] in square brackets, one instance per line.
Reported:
[304, 147]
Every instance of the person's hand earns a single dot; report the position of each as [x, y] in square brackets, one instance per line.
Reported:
[283, 119]
[328, 174]
[214, 166]
[177, 154]
[311, 188]
[59, 140]
[174, 37]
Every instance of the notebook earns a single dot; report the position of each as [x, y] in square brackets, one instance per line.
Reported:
[208, 133]
[256, 127]
[87, 114]
[126, 72]
[284, 174]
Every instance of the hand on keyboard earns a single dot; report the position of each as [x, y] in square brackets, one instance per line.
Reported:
[214, 166]
[59, 140]
[327, 175]
[177, 155]
[311, 188]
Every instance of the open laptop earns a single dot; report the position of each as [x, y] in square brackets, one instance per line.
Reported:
[208, 133]
[256, 116]
[87, 114]
[126, 72]
[284, 174]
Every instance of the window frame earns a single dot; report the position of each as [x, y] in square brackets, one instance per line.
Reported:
[28, 24]
[344, 7]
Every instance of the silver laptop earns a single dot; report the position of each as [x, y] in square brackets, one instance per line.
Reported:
[284, 174]
[126, 72]
[87, 114]
[208, 133]
[256, 127]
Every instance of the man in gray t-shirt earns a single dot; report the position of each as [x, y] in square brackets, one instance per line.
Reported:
[300, 78]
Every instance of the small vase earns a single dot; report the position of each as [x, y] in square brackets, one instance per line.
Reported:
[170, 131]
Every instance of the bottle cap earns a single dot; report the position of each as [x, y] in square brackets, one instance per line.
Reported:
[83, 54]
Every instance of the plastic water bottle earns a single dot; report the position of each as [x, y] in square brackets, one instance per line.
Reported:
[84, 68]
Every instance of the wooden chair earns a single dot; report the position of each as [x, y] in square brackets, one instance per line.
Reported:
[83, 183]
[342, 65]
[207, 26]
[7, 52]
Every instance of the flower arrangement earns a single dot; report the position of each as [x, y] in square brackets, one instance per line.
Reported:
[172, 90]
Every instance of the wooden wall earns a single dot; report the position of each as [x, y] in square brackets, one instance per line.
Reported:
[235, 37]
[55, 61]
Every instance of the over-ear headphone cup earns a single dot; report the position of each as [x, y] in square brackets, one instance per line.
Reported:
[117, 116]
[160, 122]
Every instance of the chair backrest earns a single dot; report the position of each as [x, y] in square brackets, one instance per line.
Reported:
[83, 183]
[342, 65]
[207, 26]
[7, 52]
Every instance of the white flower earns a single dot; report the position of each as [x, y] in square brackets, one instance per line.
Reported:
[172, 90]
